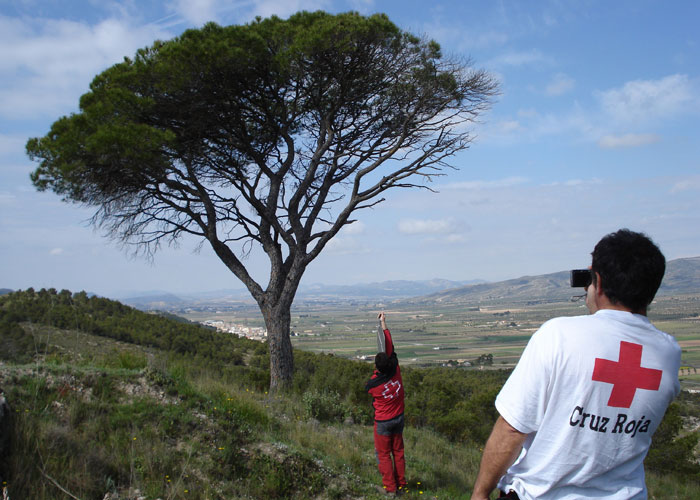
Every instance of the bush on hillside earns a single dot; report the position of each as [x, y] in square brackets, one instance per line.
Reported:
[16, 345]
[456, 403]
[324, 406]
[670, 452]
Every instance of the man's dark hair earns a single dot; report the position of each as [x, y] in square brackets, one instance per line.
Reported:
[385, 364]
[631, 268]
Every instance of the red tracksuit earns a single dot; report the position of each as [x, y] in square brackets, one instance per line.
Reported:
[388, 393]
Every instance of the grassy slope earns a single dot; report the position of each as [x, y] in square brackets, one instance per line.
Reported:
[113, 418]
[94, 415]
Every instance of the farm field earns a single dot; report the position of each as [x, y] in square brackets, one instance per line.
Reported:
[428, 334]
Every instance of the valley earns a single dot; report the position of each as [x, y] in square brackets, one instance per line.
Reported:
[439, 333]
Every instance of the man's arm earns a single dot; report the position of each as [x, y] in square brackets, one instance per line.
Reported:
[501, 450]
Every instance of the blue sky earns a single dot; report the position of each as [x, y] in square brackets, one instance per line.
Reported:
[596, 128]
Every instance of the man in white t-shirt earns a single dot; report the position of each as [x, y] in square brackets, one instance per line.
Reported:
[578, 412]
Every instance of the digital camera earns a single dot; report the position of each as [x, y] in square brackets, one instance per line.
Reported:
[581, 278]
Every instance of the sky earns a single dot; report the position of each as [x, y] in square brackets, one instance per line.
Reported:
[596, 128]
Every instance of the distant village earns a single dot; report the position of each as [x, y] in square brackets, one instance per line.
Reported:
[260, 334]
[250, 332]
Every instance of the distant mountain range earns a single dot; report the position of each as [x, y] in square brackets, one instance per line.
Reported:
[682, 277]
[385, 290]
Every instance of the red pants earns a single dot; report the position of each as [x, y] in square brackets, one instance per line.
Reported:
[393, 474]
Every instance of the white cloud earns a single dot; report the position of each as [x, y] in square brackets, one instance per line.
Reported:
[197, 12]
[508, 126]
[522, 58]
[648, 100]
[435, 232]
[56, 251]
[531, 125]
[528, 113]
[7, 198]
[480, 185]
[627, 140]
[456, 238]
[348, 241]
[362, 5]
[464, 40]
[285, 8]
[356, 227]
[689, 184]
[561, 84]
[575, 182]
[427, 226]
[11, 144]
[51, 62]
[582, 182]
[340, 245]
[637, 103]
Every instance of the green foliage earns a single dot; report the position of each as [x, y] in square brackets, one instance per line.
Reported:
[484, 359]
[15, 344]
[319, 374]
[274, 479]
[278, 77]
[50, 434]
[84, 432]
[457, 403]
[671, 453]
[112, 319]
[150, 421]
[323, 405]
[688, 404]
[127, 360]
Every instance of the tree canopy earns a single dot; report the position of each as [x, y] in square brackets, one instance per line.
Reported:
[271, 133]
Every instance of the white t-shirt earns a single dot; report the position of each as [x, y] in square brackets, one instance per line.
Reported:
[590, 391]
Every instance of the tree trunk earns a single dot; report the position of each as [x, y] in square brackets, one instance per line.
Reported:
[277, 321]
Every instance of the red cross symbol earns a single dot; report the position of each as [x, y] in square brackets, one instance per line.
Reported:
[626, 375]
[388, 390]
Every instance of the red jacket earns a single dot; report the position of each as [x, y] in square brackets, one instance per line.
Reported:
[387, 389]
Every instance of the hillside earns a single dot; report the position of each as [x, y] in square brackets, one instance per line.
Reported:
[112, 403]
[682, 277]
[116, 403]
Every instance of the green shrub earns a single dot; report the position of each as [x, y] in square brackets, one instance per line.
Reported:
[16, 345]
[103, 386]
[323, 405]
[271, 478]
[670, 453]
[130, 360]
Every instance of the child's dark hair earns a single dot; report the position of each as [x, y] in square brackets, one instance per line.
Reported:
[385, 364]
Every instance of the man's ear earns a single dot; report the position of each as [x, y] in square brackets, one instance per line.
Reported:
[598, 284]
